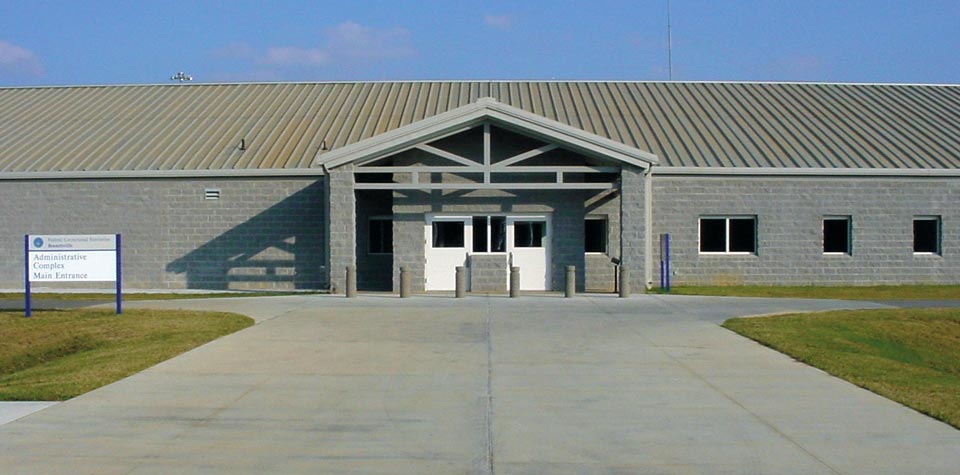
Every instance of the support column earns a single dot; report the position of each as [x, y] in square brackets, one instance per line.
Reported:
[633, 225]
[342, 225]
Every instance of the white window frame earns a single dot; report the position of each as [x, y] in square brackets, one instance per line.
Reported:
[823, 234]
[929, 217]
[727, 218]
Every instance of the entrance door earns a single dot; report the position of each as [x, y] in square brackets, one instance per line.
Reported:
[448, 240]
[528, 243]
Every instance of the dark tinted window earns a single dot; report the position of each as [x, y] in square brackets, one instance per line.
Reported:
[836, 235]
[528, 233]
[381, 236]
[595, 235]
[713, 235]
[448, 234]
[479, 234]
[498, 234]
[743, 235]
[926, 235]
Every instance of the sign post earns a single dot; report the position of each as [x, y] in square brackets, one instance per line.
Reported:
[71, 258]
[665, 262]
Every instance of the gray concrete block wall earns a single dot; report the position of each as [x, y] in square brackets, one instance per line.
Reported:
[600, 275]
[488, 273]
[408, 237]
[342, 212]
[633, 225]
[261, 233]
[789, 219]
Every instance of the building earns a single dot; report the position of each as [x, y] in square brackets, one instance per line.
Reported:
[284, 185]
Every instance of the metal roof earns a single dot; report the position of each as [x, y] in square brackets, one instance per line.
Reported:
[199, 127]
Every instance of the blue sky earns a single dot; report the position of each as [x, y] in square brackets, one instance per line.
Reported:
[145, 42]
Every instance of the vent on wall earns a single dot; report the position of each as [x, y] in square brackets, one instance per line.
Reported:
[211, 193]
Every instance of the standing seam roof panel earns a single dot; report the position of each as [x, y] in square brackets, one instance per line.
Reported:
[884, 140]
[637, 120]
[929, 127]
[790, 138]
[196, 126]
[197, 142]
[285, 130]
[822, 126]
[701, 125]
[728, 140]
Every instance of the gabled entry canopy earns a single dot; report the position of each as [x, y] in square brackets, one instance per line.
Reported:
[486, 145]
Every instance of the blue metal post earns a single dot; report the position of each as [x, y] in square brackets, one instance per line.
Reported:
[666, 245]
[26, 276]
[119, 277]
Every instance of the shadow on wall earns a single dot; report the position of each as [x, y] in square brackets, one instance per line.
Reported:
[279, 248]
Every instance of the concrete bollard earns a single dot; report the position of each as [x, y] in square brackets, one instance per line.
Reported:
[461, 282]
[514, 282]
[351, 282]
[404, 282]
[624, 282]
[571, 282]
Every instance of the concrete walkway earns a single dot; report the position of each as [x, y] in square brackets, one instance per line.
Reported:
[482, 385]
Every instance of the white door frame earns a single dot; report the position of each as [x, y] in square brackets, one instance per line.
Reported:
[534, 262]
[440, 264]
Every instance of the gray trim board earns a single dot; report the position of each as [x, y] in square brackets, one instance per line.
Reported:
[812, 172]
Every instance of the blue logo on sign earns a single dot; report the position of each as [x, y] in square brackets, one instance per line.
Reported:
[38, 242]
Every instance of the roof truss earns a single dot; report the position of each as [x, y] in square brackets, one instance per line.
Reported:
[484, 173]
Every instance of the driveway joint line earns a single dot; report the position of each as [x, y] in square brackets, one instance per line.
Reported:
[489, 396]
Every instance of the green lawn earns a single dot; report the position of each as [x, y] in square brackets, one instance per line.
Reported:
[908, 355]
[877, 292]
[56, 355]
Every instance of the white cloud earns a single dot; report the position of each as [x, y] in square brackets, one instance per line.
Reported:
[288, 55]
[18, 60]
[351, 41]
[347, 45]
[502, 22]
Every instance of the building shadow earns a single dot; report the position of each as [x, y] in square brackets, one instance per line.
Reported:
[282, 247]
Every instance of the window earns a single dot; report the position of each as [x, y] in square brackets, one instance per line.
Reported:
[529, 233]
[489, 234]
[381, 236]
[448, 234]
[836, 235]
[926, 235]
[498, 234]
[730, 235]
[480, 233]
[595, 234]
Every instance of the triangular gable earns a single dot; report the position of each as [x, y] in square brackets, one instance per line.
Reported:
[485, 109]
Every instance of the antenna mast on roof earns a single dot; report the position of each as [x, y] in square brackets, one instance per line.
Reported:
[669, 45]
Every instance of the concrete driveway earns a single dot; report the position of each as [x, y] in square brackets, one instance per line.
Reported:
[484, 385]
